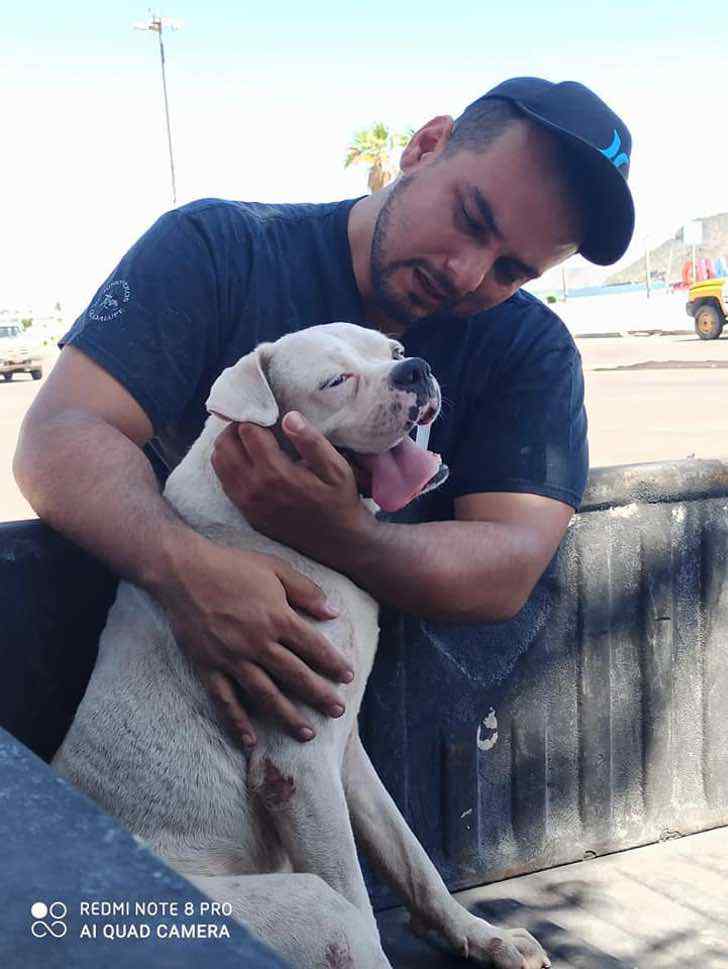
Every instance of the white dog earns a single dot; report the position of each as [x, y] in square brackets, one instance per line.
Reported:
[272, 832]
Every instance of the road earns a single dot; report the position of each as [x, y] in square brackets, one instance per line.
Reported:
[634, 415]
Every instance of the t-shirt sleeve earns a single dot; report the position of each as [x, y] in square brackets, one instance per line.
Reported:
[155, 323]
[528, 433]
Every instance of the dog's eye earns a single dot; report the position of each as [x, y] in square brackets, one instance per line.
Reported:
[397, 351]
[335, 381]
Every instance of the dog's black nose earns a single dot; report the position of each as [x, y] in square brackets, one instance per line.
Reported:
[410, 374]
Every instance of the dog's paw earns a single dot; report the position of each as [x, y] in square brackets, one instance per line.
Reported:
[505, 948]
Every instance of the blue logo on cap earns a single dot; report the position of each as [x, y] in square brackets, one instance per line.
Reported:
[611, 152]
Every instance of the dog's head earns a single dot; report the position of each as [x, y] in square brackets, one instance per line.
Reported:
[356, 387]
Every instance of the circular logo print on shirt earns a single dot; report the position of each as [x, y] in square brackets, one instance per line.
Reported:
[110, 302]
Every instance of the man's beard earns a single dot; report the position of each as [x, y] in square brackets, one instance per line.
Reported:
[384, 293]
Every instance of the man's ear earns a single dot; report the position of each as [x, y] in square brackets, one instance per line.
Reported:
[428, 142]
[242, 392]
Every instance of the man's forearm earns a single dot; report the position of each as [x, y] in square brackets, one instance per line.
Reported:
[91, 483]
[465, 571]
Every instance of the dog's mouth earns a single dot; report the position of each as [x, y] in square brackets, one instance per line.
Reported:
[406, 470]
[428, 415]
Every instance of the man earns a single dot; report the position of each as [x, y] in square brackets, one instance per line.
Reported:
[531, 173]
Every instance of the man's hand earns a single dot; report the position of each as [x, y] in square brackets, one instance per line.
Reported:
[308, 505]
[233, 613]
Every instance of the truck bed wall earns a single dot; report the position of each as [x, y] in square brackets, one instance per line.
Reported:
[592, 722]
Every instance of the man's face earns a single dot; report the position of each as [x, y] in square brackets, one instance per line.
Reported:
[461, 233]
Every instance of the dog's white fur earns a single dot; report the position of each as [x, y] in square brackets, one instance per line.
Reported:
[271, 833]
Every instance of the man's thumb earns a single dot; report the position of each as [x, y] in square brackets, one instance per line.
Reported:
[294, 422]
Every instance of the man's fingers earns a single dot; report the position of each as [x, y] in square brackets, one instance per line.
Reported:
[318, 454]
[299, 679]
[302, 593]
[229, 709]
[316, 651]
[227, 449]
[312, 646]
[268, 700]
[260, 445]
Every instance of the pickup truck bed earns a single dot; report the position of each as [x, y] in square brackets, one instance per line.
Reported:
[660, 907]
[592, 724]
[664, 906]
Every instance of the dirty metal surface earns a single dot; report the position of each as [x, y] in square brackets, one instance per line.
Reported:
[60, 849]
[55, 598]
[592, 722]
[659, 907]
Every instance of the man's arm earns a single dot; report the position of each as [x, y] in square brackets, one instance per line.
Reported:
[79, 463]
[482, 567]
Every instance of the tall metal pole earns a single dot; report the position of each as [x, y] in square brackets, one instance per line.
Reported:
[647, 267]
[669, 266]
[158, 25]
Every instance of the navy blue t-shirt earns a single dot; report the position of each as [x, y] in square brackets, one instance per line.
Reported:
[212, 279]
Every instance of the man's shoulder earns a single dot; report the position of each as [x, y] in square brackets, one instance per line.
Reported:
[527, 321]
[259, 214]
[520, 336]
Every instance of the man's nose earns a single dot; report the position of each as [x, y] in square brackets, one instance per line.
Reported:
[468, 269]
[411, 374]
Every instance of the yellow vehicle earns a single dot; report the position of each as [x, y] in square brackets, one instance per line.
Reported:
[708, 305]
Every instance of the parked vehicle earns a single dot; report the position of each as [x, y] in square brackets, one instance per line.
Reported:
[19, 353]
[708, 305]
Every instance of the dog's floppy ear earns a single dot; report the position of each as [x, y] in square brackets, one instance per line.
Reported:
[242, 392]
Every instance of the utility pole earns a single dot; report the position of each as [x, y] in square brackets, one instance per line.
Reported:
[647, 266]
[669, 266]
[157, 24]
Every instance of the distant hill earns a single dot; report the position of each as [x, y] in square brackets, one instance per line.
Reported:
[671, 254]
[578, 276]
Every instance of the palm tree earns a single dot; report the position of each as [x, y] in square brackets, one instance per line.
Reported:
[377, 147]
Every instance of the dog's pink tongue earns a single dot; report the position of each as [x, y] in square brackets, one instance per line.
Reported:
[400, 474]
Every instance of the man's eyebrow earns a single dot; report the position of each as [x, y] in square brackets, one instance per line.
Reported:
[486, 213]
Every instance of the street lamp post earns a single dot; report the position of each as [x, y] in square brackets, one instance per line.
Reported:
[648, 271]
[157, 24]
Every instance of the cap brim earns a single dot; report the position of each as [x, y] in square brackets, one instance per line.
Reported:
[610, 219]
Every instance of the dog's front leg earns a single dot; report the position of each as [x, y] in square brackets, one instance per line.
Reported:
[402, 861]
[302, 792]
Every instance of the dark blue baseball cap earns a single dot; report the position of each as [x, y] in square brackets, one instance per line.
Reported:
[601, 145]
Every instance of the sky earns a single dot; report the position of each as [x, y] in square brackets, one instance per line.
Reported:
[264, 101]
